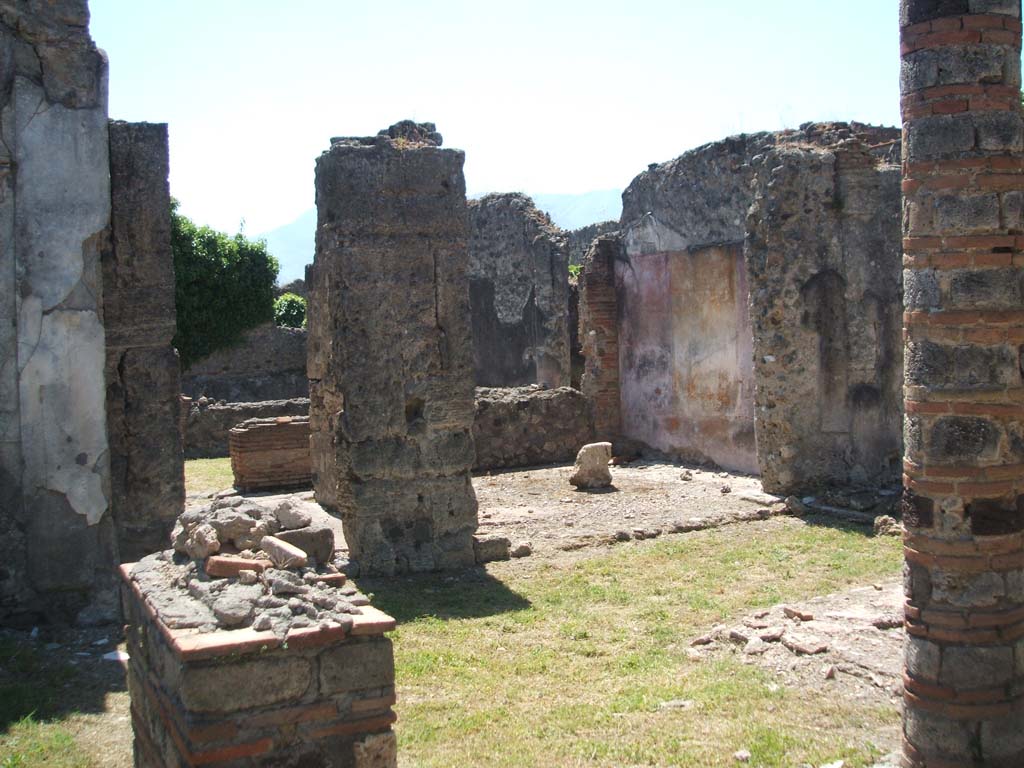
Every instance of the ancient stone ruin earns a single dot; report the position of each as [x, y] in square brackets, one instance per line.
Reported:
[696, 341]
[391, 381]
[90, 455]
[518, 288]
[266, 655]
[963, 168]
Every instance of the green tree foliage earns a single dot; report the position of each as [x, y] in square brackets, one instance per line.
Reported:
[290, 310]
[223, 286]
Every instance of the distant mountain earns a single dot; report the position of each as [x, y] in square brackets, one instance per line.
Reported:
[575, 211]
[293, 244]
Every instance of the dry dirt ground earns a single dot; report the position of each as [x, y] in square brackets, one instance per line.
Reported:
[846, 644]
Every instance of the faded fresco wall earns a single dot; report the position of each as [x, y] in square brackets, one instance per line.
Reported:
[54, 213]
[766, 343]
[686, 365]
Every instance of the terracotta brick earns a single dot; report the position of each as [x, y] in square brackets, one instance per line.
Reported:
[235, 752]
[290, 715]
[1001, 37]
[348, 728]
[981, 21]
[219, 566]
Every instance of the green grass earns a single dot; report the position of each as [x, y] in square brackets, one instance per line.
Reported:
[566, 664]
[31, 711]
[208, 475]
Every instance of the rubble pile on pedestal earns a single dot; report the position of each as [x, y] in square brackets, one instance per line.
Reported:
[236, 564]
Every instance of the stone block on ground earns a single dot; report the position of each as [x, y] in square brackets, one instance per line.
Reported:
[591, 468]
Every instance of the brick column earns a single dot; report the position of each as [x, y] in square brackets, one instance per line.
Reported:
[964, 429]
[599, 335]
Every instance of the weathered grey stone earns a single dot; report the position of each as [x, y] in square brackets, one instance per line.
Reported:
[391, 386]
[519, 284]
[591, 468]
[283, 554]
[201, 542]
[244, 685]
[317, 541]
[267, 364]
[523, 426]
[142, 372]
[290, 514]
[357, 666]
[491, 548]
[827, 343]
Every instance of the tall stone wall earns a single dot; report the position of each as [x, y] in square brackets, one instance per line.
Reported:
[142, 370]
[578, 241]
[390, 364]
[963, 163]
[55, 516]
[519, 294]
[823, 263]
[267, 363]
[599, 334]
[715, 305]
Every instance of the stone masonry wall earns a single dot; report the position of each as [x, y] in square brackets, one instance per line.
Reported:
[208, 424]
[823, 262]
[268, 363]
[599, 334]
[142, 370]
[578, 241]
[319, 697]
[963, 165]
[519, 288]
[54, 215]
[390, 364]
[526, 426]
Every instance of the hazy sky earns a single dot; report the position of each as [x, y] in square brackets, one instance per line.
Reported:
[544, 96]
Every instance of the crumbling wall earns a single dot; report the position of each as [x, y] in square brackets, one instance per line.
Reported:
[599, 334]
[519, 287]
[823, 258]
[142, 370]
[713, 301]
[54, 214]
[578, 241]
[209, 421]
[390, 364]
[525, 426]
[268, 363]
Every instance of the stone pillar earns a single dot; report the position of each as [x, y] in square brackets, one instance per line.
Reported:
[143, 374]
[964, 432]
[599, 335]
[519, 293]
[391, 357]
[59, 549]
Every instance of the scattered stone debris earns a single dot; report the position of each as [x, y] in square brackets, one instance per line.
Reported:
[591, 468]
[796, 613]
[235, 563]
[490, 548]
[887, 526]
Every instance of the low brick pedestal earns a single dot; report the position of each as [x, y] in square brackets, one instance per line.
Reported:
[271, 453]
[318, 698]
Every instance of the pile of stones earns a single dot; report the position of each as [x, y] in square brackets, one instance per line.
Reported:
[235, 564]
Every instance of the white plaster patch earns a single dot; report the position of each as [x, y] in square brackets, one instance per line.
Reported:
[648, 235]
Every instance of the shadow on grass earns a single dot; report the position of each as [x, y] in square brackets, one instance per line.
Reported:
[468, 594]
[45, 685]
[827, 520]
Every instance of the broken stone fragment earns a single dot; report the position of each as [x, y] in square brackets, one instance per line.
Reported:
[796, 614]
[491, 548]
[522, 549]
[804, 644]
[283, 554]
[285, 582]
[234, 607]
[331, 579]
[317, 541]
[796, 506]
[246, 576]
[887, 526]
[201, 542]
[591, 468]
[290, 514]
